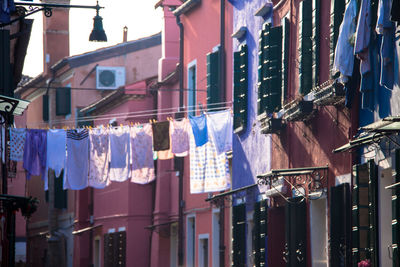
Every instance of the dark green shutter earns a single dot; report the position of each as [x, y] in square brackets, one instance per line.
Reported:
[60, 195]
[337, 12]
[396, 215]
[63, 101]
[213, 90]
[5, 66]
[45, 108]
[239, 236]
[316, 10]
[260, 233]
[305, 46]
[365, 224]
[262, 69]
[109, 250]
[285, 57]
[240, 88]
[120, 249]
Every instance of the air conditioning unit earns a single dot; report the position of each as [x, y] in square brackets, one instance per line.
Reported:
[108, 78]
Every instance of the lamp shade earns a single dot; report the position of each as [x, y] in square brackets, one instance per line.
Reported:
[98, 34]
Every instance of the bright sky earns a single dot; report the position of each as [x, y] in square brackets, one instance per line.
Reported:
[138, 15]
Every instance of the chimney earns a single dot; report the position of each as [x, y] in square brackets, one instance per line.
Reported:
[125, 35]
[55, 35]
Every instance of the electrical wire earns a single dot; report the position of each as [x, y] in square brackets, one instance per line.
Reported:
[126, 90]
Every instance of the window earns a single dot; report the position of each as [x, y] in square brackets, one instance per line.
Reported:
[192, 88]
[190, 239]
[270, 70]
[45, 108]
[240, 88]
[213, 77]
[305, 46]
[203, 250]
[97, 252]
[239, 235]
[63, 101]
[215, 237]
[115, 249]
[60, 195]
[285, 57]
[260, 232]
[315, 37]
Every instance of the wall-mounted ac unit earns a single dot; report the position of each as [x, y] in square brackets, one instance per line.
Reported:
[109, 77]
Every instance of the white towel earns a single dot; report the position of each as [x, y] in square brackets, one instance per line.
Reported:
[220, 127]
[120, 154]
[99, 156]
[77, 161]
[56, 153]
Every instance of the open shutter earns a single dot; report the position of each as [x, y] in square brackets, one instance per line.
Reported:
[63, 101]
[240, 88]
[285, 57]
[262, 69]
[305, 46]
[109, 250]
[260, 233]
[45, 107]
[239, 236]
[364, 230]
[337, 12]
[340, 225]
[316, 10]
[213, 90]
[120, 249]
[274, 66]
[396, 215]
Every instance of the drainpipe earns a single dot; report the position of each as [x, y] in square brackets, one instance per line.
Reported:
[179, 161]
[223, 88]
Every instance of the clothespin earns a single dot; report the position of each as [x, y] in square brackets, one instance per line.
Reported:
[131, 123]
[121, 125]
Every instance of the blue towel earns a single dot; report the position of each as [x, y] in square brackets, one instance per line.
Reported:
[199, 127]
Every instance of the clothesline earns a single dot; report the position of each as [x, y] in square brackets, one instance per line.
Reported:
[137, 114]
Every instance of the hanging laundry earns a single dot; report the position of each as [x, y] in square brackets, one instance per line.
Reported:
[56, 152]
[383, 20]
[344, 51]
[99, 158]
[161, 136]
[6, 8]
[142, 154]
[363, 36]
[165, 154]
[179, 131]
[120, 157]
[220, 125]
[17, 143]
[209, 170]
[77, 160]
[35, 153]
[199, 129]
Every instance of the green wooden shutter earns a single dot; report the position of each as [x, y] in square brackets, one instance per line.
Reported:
[109, 250]
[285, 57]
[213, 90]
[63, 101]
[240, 88]
[262, 69]
[305, 46]
[45, 107]
[316, 10]
[260, 233]
[337, 12]
[396, 215]
[5, 66]
[120, 249]
[239, 236]
[364, 214]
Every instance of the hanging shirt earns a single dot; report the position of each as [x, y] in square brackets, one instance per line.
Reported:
[99, 157]
[209, 170]
[383, 20]
[17, 143]
[363, 36]
[161, 136]
[56, 152]
[344, 51]
[199, 129]
[77, 160]
[120, 154]
[179, 131]
[220, 125]
[35, 153]
[142, 154]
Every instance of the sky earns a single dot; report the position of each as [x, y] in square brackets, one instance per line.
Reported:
[138, 15]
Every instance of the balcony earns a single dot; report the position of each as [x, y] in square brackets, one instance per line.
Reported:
[330, 93]
[271, 125]
[299, 110]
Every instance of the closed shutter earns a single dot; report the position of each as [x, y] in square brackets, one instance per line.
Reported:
[396, 215]
[296, 232]
[305, 46]
[260, 72]
[260, 233]
[285, 57]
[61, 195]
[274, 69]
[364, 214]
[340, 225]
[45, 107]
[213, 90]
[63, 101]
[239, 236]
[109, 250]
[5, 66]
[316, 10]
[337, 12]
[120, 249]
[240, 88]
